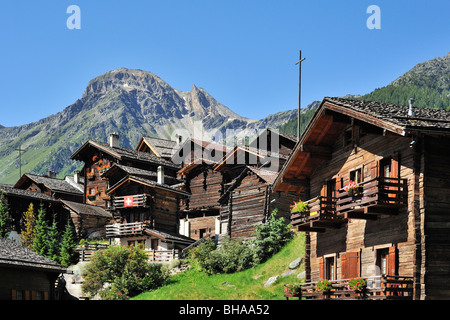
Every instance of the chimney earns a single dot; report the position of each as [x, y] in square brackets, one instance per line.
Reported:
[179, 139]
[51, 174]
[160, 175]
[411, 111]
[114, 140]
[76, 177]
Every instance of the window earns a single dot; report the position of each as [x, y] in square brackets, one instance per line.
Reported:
[329, 268]
[331, 188]
[356, 175]
[386, 260]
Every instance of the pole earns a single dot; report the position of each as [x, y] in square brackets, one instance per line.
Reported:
[20, 160]
[299, 62]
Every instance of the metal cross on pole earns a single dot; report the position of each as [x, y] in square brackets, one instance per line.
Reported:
[20, 160]
[299, 62]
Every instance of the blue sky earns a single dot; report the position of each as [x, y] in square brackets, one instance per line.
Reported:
[241, 52]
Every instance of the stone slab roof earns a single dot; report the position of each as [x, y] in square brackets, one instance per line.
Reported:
[15, 256]
[87, 209]
[423, 119]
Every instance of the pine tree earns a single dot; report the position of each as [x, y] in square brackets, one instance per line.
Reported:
[5, 219]
[29, 221]
[53, 242]
[67, 250]
[40, 236]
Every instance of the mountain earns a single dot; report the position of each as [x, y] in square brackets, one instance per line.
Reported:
[428, 83]
[133, 103]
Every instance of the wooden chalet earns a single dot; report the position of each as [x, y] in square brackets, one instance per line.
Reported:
[26, 275]
[391, 229]
[48, 184]
[18, 201]
[162, 148]
[89, 221]
[98, 157]
[145, 212]
[200, 211]
[248, 174]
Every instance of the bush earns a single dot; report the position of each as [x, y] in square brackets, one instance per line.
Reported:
[236, 255]
[233, 255]
[270, 237]
[121, 272]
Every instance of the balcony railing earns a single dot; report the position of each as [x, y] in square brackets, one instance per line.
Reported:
[320, 214]
[118, 230]
[383, 194]
[378, 288]
[133, 201]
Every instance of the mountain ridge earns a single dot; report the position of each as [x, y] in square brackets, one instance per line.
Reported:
[131, 102]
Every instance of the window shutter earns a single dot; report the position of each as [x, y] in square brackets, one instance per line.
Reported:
[374, 169]
[395, 166]
[344, 266]
[392, 261]
[321, 269]
[350, 265]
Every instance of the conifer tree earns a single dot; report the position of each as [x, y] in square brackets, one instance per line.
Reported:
[40, 236]
[29, 221]
[5, 219]
[53, 242]
[67, 249]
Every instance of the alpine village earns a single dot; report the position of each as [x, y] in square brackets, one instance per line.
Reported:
[364, 184]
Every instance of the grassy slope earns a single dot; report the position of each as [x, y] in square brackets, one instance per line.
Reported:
[245, 285]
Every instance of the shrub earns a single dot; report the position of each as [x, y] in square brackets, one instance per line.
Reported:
[121, 272]
[232, 255]
[271, 237]
[236, 255]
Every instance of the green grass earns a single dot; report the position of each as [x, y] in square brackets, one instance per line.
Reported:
[245, 285]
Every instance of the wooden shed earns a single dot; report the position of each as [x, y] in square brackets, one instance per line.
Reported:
[392, 226]
[26, 275]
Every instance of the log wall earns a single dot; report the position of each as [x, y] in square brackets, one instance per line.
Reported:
[366, 236]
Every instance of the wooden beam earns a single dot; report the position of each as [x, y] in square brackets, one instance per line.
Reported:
[318, 152]
[358, 215]
[310, 229]
[296, 182]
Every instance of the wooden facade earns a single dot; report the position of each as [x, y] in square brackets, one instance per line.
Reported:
[51, 186]
[248, 174]
[98, 157]
[396, 222]
[146, 212]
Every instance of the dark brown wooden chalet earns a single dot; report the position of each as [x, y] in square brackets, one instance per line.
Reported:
[200, 212]
[162, 148]
[146, 212]
[394, 230]
[98, 157]
[50, 185]
[18, 201]
[26, 275]
[248, 174]
[89, 221]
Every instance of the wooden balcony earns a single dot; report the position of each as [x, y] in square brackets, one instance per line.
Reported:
[375, 196]
[137, 200]
[118, 230]
[321, 214]
[378, 288]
